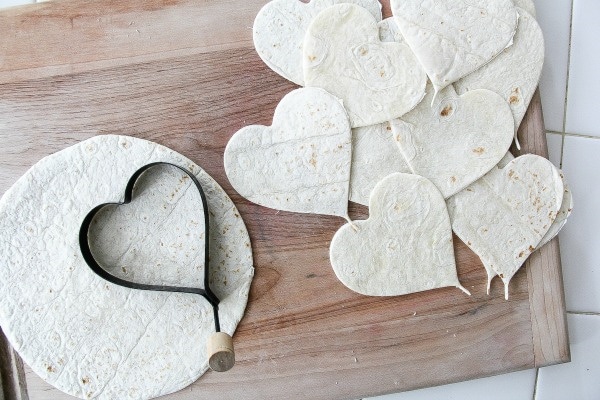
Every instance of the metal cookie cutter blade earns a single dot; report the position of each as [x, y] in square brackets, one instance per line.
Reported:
[221, 356]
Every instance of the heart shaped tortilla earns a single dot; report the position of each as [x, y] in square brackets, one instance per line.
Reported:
[279, 29]
[377, 81]
[405, 245]
[374, 156]
[457, 139]
[454, 38]
[504, 215]
[515, 73]
[566, 206]
[301, 162]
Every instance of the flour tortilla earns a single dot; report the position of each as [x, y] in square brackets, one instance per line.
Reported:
[374, 156]
[300, 163]
[374, 151]
[389, 31]
[457, 139]
[84, 335]
[405, 245]
[377, 81]
[504, 215]
[453, 39]
[566, 205]
[527, 5]
[279, 29]
[515, 73]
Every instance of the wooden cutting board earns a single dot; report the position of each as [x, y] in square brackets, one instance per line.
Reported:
[184, 73]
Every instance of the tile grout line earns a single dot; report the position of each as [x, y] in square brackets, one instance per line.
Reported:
[596, 314]
[581, 135]
[562, 150]
[564, 122]
[535, 383]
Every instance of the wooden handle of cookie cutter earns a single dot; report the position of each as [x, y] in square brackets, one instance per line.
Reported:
[221, 356]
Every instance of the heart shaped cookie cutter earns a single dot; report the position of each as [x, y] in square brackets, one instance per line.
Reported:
[221, 356]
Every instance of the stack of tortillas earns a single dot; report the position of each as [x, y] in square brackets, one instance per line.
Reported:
[413, 116]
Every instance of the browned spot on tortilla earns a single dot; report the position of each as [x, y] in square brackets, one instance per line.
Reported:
[382, 73]
[313, 160]
[514, 96]
[511, 173]
[453, 179]
[468, 243]
[363, 51]
[312, 58]
[531, 248]
[85, 380]
[479, 150]
[50, 368]
[447, 110]
[389, 128]
[520, 254]
[501, 276]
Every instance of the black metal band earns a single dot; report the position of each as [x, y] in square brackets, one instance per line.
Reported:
[93, 264]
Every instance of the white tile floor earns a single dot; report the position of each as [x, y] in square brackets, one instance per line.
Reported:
[569, 87]
[582, 103]
[555, 19]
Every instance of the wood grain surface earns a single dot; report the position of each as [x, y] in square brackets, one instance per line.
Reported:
[184, 74]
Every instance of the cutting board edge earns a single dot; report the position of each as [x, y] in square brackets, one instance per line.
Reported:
[544, 270]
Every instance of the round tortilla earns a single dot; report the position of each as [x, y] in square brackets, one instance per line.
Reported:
[84, 335]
